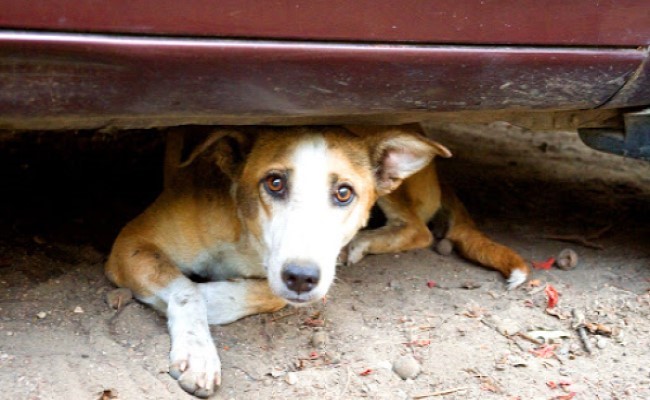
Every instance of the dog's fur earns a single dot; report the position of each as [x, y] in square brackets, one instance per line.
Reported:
[262, 213]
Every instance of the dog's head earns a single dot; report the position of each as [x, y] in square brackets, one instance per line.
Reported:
[303, 193]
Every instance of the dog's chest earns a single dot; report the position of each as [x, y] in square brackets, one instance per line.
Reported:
[223, 262]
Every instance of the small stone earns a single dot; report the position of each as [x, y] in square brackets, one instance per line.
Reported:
[567, 259]
[291, 378]
[78, 310]
[444, 247]
[470, 285]
[319, 339]
[118, 298]
[41, 315]
[406, 367]
[601, 343]
[334, 358]
[276, 373]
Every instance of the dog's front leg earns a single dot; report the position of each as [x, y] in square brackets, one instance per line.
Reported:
[231, 300]
[194, 361]
[154, 279]
[404, 231]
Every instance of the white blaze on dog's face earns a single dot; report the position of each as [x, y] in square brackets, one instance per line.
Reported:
[304, 196]
[312, 195]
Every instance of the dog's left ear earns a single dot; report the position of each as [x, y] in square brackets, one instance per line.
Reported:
[399, 153]
[227, 147]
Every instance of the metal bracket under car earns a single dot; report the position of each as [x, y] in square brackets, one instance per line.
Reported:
[633, 141]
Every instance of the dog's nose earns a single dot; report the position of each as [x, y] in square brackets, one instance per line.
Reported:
[300, 278]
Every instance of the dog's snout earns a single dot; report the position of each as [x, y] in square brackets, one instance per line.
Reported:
[300, 278]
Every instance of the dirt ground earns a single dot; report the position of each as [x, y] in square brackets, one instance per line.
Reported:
[66, 195]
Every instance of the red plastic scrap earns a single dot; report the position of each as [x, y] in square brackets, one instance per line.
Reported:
[544, 264]
[565, 396]
[431, 284]
[545, 351]
[552, 295]
[366, 372]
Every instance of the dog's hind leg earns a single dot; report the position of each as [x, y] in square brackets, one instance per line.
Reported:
[476, 246]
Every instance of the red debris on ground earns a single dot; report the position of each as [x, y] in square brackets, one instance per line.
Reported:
[544, 264]
[545, 351]
[552, 295]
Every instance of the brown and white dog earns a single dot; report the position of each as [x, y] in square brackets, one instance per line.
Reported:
[262, 214]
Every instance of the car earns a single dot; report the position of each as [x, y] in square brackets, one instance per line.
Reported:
[88, 64]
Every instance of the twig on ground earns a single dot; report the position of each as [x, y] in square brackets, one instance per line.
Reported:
[439, 393]
[347, 383]
[586, 240]
[275, 319]
[579, 325]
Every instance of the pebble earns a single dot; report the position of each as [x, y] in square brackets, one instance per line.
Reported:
[276, 373]
[119, 297]
[319, 339]
[406, 367]
[78, 310]
[470, 285]
[291, 378]
[41, 315]
[601, 343]
[444, 247]
[334, 358]
[567, 259]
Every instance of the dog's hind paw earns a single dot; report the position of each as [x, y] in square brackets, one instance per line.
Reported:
[198, 373]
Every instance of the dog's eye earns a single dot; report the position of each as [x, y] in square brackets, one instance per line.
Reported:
[275, 184]
[343, 195]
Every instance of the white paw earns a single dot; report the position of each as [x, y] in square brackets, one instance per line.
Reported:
[356, 250]
[517, 277]
[196, 366]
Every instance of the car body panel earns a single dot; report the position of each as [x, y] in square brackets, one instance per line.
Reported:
[98, 63]
[45, 76]
[520, 22]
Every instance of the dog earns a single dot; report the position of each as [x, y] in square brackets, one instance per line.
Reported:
[260, 215]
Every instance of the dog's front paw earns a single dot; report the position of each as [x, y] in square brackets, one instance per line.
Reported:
[357, 248]
[197, 368]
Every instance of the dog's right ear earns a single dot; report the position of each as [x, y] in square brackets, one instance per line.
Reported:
[227, 147]
[397, 154]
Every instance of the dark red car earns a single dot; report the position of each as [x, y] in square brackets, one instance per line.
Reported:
[143, 63]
